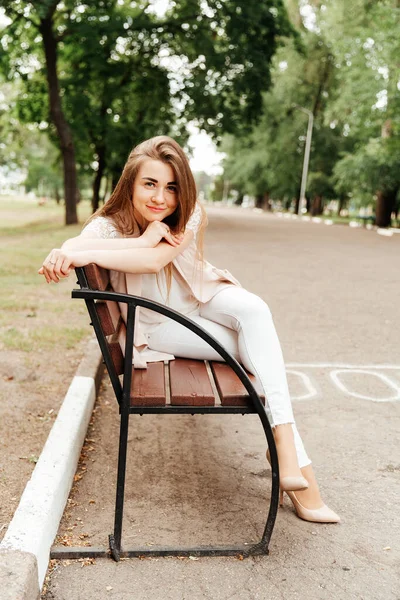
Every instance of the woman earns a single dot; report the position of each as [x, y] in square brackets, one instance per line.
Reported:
[149, 235]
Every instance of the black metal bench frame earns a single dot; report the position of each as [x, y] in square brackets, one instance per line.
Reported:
[123, 395]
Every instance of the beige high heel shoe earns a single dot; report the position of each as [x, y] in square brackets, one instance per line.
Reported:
[293, 483]
[316, 515]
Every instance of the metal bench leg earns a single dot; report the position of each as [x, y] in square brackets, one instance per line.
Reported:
[274, 502]
[115, 539]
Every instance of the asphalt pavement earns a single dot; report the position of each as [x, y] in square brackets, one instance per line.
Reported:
[334, 293]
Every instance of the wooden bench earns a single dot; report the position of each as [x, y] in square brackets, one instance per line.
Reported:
[181, 386]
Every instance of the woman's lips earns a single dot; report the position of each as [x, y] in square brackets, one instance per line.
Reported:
[155, 209]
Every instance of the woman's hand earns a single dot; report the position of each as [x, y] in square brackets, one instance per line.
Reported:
[59, 263]
[156, 231]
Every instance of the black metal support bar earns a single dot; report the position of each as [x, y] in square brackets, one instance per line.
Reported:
[115, 540]
[62, 552]
[170, 409]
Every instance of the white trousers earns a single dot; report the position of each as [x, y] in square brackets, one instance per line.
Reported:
[242, 323]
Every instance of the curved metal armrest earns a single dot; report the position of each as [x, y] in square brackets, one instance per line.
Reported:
[134, 301]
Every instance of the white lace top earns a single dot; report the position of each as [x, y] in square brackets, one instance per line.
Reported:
[180, 296]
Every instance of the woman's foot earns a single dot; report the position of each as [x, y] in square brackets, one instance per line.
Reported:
[308, 503]
[290, 475]
[311, 497]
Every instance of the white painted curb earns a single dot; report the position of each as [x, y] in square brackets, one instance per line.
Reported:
[386, 232]
[36, 520]
[353, 224]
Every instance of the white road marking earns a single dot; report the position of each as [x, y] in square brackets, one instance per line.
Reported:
[336, 380]
[310, 389]
[340, 366]
[337, 369]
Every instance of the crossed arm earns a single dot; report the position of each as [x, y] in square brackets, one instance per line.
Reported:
[146, 254]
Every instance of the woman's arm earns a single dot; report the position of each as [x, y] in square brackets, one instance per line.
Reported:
[137, 260]
[90, 240]
[79, 251]
[146, 260]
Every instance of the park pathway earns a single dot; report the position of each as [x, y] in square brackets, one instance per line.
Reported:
[334, 294]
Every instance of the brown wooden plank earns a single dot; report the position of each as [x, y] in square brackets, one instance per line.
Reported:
[104, 315]
[98, 278]
[190, 384]
[231, 390]
[115, 312]
[117, 357]
[148, 386]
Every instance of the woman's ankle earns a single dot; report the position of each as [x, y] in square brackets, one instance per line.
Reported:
[311, 497]
[286, 449]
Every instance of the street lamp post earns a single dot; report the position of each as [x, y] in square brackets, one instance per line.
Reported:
[306, 159]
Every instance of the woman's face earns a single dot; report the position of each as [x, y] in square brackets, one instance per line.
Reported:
[155, 192]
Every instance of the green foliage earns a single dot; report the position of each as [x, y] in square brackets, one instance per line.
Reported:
[320, 184]
[374, 166]
[44, 170]
[346, 74]
[270, 158]
[126, 73]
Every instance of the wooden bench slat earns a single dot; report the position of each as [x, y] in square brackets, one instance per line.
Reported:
[115, 313]
[148, 386]
[104, 315]
[117, 357]
[189, 379]
[190, 384]
[98, 278]
[231, 390]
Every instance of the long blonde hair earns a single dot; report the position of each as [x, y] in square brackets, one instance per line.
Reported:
[120, 206]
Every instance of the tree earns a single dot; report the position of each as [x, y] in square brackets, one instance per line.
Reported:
[28, 20]
[25, 148]
[268, 161]
[223, 49]
[345, 70]
[367, 103]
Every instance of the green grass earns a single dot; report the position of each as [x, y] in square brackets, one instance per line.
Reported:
[344, 220]
[43, 338]
[34, 315]
[23, 213]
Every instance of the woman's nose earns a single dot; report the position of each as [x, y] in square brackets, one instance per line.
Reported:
[158, 196]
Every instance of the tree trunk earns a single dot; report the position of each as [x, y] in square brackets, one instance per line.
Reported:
[239, 199]
[58, 118]
[97, 180]
[341, 205]
[115, 178]
[259, 200]
[106, 189]
[266, 205]
[57, 195]
[317, 206]
[385, 205]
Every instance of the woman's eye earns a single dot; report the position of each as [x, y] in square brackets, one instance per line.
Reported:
[149, 183]
[171, 188]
